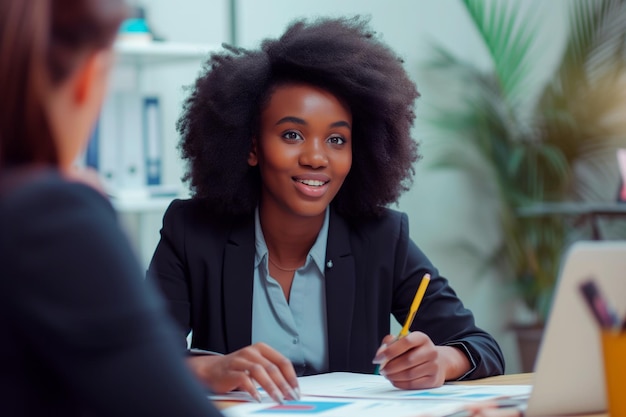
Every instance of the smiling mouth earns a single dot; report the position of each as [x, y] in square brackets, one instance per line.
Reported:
[312, 183]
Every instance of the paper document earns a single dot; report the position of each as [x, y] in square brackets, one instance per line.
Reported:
[344, 394]
[335, 407]
[353, 385]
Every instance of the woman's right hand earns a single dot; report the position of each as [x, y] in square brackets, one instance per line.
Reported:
[239, 371]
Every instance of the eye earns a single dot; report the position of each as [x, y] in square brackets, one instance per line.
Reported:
[292, 135]
[336, 140]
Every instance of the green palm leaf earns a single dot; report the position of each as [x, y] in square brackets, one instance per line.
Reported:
[508, 35]
[577, 120]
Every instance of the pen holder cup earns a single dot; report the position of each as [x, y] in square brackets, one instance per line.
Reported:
[614, 353]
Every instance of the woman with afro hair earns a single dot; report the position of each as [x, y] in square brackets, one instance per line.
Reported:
[287, 260]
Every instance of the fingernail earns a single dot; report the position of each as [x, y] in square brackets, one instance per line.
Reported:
[380, 355]
[298, 394]
[292, 393]
[257, 397]
[278, 397]
[379, 358]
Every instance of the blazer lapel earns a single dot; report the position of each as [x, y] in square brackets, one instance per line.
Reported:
[340, 290]
[237, 280]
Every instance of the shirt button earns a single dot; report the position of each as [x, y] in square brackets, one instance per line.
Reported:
[295, 341]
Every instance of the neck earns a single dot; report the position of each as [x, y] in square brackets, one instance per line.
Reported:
[289, 240]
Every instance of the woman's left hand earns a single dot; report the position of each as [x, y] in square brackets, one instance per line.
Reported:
[414, 362]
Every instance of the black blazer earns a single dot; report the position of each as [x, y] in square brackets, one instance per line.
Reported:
[81, 333]
[204, 266]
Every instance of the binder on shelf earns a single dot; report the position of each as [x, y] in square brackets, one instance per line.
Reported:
[126, 148]
[107, 149]
[131, 167]
[152, 140]
[100, 151]
[91, 157]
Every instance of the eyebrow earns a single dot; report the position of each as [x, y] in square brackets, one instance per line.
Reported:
[297, 120]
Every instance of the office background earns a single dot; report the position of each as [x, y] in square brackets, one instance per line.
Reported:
[448, 211]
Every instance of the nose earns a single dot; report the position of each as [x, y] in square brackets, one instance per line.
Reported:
[314, 154]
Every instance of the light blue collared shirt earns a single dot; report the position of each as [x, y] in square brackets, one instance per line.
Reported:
[296, 329]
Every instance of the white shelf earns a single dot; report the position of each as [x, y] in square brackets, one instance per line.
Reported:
[149, 199]
[151, 53]
[142, 205]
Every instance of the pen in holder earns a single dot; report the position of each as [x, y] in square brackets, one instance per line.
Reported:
[614, 354]
[613, 337]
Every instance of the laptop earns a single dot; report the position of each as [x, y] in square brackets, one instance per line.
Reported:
[569, 373]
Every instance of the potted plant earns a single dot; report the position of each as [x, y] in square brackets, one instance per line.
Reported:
[532, 135]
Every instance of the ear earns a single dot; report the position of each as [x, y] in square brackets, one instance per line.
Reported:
[85, 77]
[253, 159]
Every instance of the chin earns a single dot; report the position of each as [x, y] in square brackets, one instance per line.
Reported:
[310, 210]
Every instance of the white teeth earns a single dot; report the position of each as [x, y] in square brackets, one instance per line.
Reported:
[312, 183]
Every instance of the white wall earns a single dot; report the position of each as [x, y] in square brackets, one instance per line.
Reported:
[448, 212]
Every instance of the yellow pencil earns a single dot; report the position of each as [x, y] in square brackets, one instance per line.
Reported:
[419, 295]
[417, 300]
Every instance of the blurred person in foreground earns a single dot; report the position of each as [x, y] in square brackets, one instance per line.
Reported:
[81, 333]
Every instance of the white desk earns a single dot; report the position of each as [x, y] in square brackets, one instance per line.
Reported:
[513, 379]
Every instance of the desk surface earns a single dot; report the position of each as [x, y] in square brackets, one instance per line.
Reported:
[580, 211]
[512, 379]
[574, 208]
